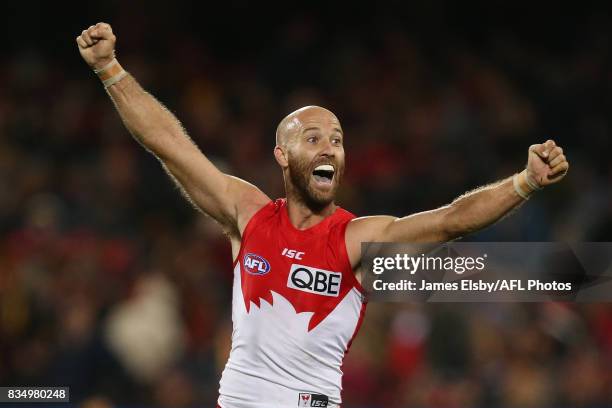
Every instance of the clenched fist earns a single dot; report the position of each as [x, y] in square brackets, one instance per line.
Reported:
[546, 163]
[97, 45]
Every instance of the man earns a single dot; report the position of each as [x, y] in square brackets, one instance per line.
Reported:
[297, 298]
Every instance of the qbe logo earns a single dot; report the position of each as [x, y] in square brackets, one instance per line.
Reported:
[255, 264]
[312, 400]
[314, 280]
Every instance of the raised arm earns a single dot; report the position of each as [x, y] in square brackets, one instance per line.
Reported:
[227, 199]
[470, 212]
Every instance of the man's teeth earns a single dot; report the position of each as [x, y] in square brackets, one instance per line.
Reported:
[325, 167]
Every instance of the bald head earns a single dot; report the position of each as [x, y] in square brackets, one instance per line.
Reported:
[293, 123]
[310, 150]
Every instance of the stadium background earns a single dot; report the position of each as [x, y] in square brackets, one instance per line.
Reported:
[112, 284]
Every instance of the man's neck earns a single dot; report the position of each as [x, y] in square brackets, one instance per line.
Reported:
[302, 217]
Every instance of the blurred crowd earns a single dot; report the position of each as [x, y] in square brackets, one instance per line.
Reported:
[112, 284]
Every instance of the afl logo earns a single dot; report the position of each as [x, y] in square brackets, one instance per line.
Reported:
[255, 264]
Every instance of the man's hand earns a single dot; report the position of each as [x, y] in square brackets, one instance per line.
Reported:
[546, 163]
[97, 45]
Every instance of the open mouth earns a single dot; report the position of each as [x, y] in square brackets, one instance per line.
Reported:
[324, 173]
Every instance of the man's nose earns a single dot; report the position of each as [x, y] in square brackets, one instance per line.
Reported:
[327, 149]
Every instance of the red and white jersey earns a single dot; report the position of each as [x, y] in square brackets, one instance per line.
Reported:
[295, 310]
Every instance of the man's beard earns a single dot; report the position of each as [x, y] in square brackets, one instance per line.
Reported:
[300, 174]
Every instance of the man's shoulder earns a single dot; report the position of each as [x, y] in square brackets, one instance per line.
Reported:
[264, 210]
[344, 214]
[340, 219]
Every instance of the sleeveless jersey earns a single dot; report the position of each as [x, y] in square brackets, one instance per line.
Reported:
[296, 307]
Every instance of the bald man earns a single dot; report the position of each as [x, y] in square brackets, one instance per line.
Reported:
[297, 297]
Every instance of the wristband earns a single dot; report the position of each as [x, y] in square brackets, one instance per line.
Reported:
[523, 186]
[111, 73]
[534, 186]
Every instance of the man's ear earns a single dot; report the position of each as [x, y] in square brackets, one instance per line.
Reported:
[281, 156]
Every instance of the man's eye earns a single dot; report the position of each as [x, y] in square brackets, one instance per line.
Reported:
[337, 141]
[311, 139]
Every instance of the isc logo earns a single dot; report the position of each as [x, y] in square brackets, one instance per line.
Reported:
[292, 253]
[255, 264]
[312, 400]
[314, 280]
